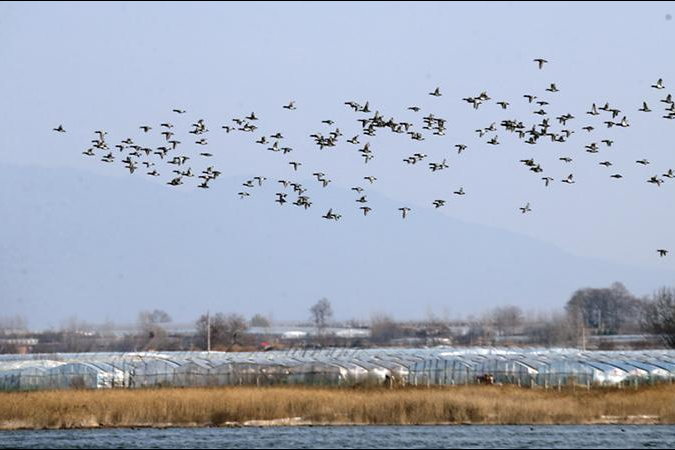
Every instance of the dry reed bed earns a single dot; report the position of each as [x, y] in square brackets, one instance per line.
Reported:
[222, 406]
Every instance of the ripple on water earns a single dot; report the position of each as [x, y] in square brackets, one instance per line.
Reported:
[477, 436]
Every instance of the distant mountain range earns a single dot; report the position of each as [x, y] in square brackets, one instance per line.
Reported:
[98, 247]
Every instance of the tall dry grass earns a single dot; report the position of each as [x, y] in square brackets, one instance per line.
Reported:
[218, 406]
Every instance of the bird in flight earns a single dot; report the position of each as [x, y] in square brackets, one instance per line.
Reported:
[530, 131]
[331, 215]
[569, 179]
[281, 198]
[540, 62]
[655, 180]
[552, 88]
[662, 252]
[659, 84]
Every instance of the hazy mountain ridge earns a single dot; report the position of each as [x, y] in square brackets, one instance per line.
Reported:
[143, 245]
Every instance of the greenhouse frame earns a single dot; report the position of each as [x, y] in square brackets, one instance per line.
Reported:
[442, 366]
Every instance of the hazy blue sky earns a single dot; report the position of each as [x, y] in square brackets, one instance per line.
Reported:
[115, 66]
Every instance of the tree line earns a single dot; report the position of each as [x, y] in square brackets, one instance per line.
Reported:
[589, 318]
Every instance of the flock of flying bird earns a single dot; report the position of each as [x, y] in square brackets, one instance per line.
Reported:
[133, 155]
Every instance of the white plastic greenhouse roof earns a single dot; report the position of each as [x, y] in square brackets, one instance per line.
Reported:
[443, 365]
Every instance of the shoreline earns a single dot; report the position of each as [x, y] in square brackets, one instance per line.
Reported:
[247, 407]
[281, 423]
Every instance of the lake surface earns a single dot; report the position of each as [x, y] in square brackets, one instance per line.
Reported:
[475, 436]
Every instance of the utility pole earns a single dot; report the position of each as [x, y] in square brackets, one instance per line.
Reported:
[583, 337]
[580, 315]
[208, 331]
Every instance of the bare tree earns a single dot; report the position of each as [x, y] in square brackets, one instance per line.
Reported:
[13, 325]
[75, 325]
[227, 330]
[154, 317]
[321, 313]
[507, 319]
[76, 335]
[260, 321]
[151, 325]
[605, 310]
[556, 331]
[659, 315]
[383, 329]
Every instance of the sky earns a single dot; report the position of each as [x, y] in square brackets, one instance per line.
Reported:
[116, 66]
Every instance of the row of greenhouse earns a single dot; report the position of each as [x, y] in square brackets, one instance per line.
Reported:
[337, 367]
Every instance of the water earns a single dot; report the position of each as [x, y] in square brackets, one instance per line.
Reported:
[476, 436]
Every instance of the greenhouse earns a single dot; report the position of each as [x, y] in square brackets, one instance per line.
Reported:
[442, 366]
